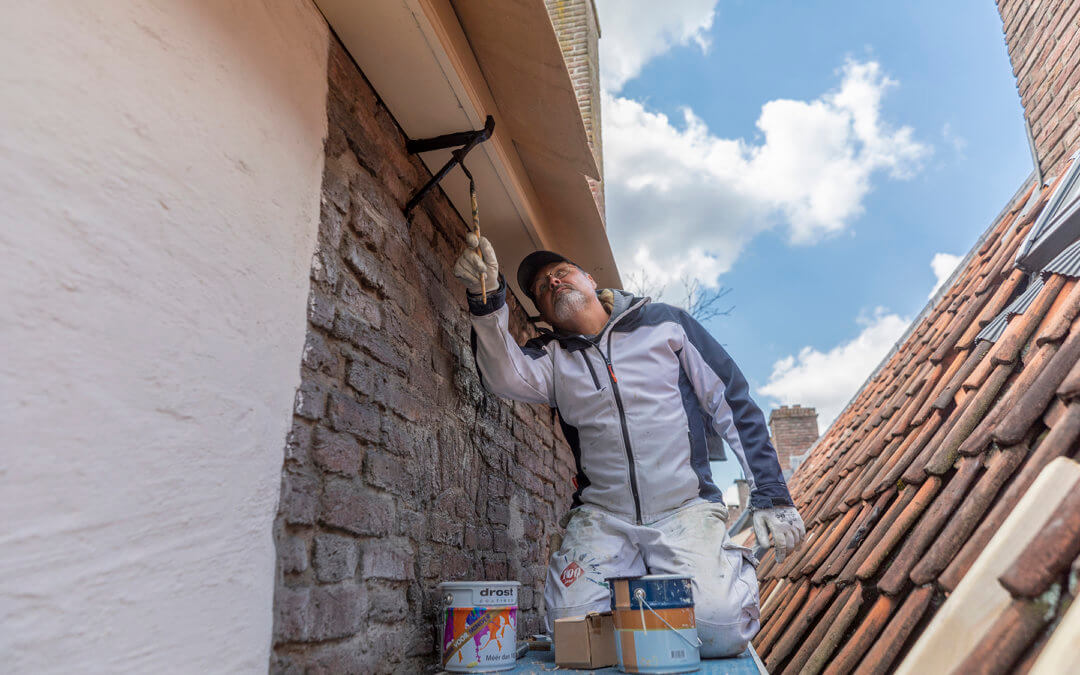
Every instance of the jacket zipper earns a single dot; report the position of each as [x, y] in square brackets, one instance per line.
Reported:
[625, 429]
[592, 371]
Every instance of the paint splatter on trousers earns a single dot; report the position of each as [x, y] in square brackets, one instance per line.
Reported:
[692, 541]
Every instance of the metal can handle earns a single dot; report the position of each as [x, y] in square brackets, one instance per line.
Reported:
[639, 594]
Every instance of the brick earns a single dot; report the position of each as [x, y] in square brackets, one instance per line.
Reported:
[336, 557]
[298, 442]
[320, 308]
[401, 397]
[456, 565]
[325, 267]
[390, 473]
[385, 352]
[331, 221]
[293, 554]
[357, 327]
[310, 400]
[360, 419]
[496, 570]
[299, 498]
[500, 540]
[409, 523]
[347, 505]
[350, 655]
[387, 604]
[386, 560]
[340, 453]
[498, 512]
[445, 529]
[321, 613]
[317, 354]
[363, 262]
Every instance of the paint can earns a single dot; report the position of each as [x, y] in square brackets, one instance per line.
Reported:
[478, 626]
[655, 630]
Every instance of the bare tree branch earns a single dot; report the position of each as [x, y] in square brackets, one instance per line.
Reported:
[704, 303]
[700, 302]
[642, 285]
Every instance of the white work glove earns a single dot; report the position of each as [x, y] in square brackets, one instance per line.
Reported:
[471, 267]
[786, 526]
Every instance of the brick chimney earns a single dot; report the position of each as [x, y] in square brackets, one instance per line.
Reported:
[1042, 40]
[578, 30]
[794, 429]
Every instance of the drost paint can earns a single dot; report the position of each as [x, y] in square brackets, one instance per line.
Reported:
[655, 630]
[478, 625]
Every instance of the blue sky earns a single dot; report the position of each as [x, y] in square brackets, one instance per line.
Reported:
[814, 157]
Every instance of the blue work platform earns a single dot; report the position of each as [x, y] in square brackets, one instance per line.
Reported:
[538, 662]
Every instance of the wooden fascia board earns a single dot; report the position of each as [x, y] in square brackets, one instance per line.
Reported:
[463, 72]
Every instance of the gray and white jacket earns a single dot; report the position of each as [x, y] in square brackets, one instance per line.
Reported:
[634, 403]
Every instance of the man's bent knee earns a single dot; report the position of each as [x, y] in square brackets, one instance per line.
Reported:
[726, 639]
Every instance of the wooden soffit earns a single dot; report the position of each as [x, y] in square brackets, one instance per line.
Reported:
[442, 66]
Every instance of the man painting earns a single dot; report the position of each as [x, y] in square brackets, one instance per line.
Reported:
[635, 383]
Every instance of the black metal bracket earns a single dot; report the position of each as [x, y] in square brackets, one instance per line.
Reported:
[466, 139]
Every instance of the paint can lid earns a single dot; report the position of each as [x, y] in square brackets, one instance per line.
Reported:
[651, 577]
[479, 584]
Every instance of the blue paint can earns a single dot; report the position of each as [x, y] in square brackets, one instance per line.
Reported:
[655, 630]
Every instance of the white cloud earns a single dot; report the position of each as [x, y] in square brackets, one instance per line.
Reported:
[637, 31]
[943, 265]
[684, 201]
[828, 380]
[959, 143]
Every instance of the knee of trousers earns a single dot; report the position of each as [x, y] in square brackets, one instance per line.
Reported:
[725, 627]
[726, 638]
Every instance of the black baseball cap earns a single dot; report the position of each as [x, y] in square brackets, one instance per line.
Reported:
[532, 264]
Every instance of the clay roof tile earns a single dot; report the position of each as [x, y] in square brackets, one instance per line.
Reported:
[1007, 639]
[974, 410]
[799, 659]
[1060, 441]
[897, 632]
[1049, 553]
[828, 643]
[1070, 386]
[1000, 465]
[796, 629]
[944, 506]
[1030, 405]
[863, 637]
[773, 630]
[899, 528]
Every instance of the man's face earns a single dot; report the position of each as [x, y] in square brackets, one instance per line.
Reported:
[561, 291]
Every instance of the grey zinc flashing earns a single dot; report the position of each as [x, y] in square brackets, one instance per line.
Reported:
[1067, 263]
[993, 330]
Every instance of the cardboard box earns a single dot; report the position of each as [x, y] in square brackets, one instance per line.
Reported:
[585, 641]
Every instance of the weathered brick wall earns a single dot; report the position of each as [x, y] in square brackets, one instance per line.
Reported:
[578, 29]
[400, 470]
[1044, 47]
[794, 429]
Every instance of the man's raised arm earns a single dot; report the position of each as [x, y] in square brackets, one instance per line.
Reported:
[506, 369]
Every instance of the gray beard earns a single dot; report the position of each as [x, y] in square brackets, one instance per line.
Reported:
[568, 304]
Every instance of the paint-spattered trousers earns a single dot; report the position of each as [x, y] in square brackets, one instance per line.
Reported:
[693, 541]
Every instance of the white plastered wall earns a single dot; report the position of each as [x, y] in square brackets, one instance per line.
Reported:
[160, 171]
